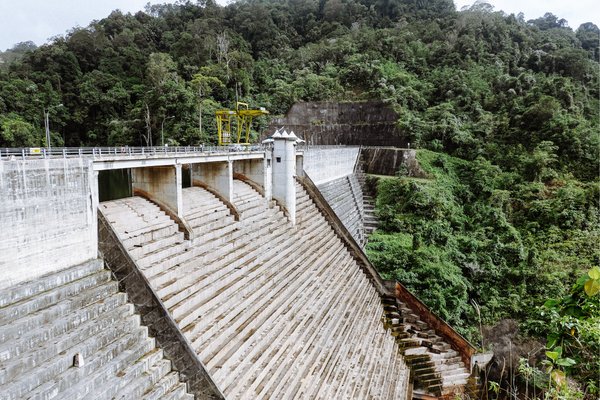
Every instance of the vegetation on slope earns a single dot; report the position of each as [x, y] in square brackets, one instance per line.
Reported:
[479, 245]
[508, 108]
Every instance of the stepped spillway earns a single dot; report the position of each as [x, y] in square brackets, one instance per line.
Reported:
[346, 199]
[274, 311]
[45, 323]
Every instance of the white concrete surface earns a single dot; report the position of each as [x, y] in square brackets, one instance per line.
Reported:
[78, 313]
[326, 164]
[216, 176]
[284, 171]
[48, 218]
[162, 184]
[274, 311]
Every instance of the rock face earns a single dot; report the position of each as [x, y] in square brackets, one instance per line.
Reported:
[389, 161]
[369, 123]
[73, 335]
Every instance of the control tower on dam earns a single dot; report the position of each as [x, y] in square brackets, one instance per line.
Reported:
[214, 274]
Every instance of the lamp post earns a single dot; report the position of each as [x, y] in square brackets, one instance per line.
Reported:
[162, 129]
[47, 124]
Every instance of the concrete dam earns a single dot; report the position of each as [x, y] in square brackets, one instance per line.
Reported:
[223, 275]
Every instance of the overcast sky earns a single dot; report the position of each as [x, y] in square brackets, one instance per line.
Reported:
[39, 20]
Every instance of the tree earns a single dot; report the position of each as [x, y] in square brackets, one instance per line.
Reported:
[589, 36]
[15, 132]
[204, 86]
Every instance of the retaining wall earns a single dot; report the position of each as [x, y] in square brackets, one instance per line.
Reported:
[332, 171]
[47, 217]
[370, 123]
[324, 164]
[389, 160]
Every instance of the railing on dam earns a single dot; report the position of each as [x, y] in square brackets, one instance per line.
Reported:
[99, 152]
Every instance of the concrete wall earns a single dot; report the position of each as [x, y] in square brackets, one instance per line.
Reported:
[47, 216]
[255, 171]
[326, 164]
[218, 177]
[345, 197]
[389, 160]
[371, 123]
[332, 171]
[160, 184]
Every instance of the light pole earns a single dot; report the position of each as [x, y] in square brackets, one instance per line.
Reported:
[47, 124]
[162, 129]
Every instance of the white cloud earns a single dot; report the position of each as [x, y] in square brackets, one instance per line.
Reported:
[575, 12]
[39, 20]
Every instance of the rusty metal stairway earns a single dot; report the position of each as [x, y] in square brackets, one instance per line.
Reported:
[437, 370]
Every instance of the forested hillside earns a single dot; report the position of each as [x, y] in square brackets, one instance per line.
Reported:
[505, 110]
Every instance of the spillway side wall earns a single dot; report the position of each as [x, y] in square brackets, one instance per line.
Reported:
[48, 218]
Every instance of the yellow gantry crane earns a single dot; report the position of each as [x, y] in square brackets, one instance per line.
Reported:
[239, 119]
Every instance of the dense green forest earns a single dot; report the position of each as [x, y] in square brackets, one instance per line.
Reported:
[505, 112]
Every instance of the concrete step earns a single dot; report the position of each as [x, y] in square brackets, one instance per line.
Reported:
[48, 282]
[364, 339]
[34, 331]
[245, 326]
[200, 219]
[153, 246]
[156, 257]
[221, 285]
[38, 355]
[111, 340]
[100, 371]
[252, 299]
[298, 322]
[163, 388]
[276, 311]
[75, 311]
[137, 378]
[185, 279]
[153, 234]
[359, 385]
[283, 384]
[39, 301]
[321, 371]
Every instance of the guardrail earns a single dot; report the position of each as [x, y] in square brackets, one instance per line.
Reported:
[323, 146]
[101, 152]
